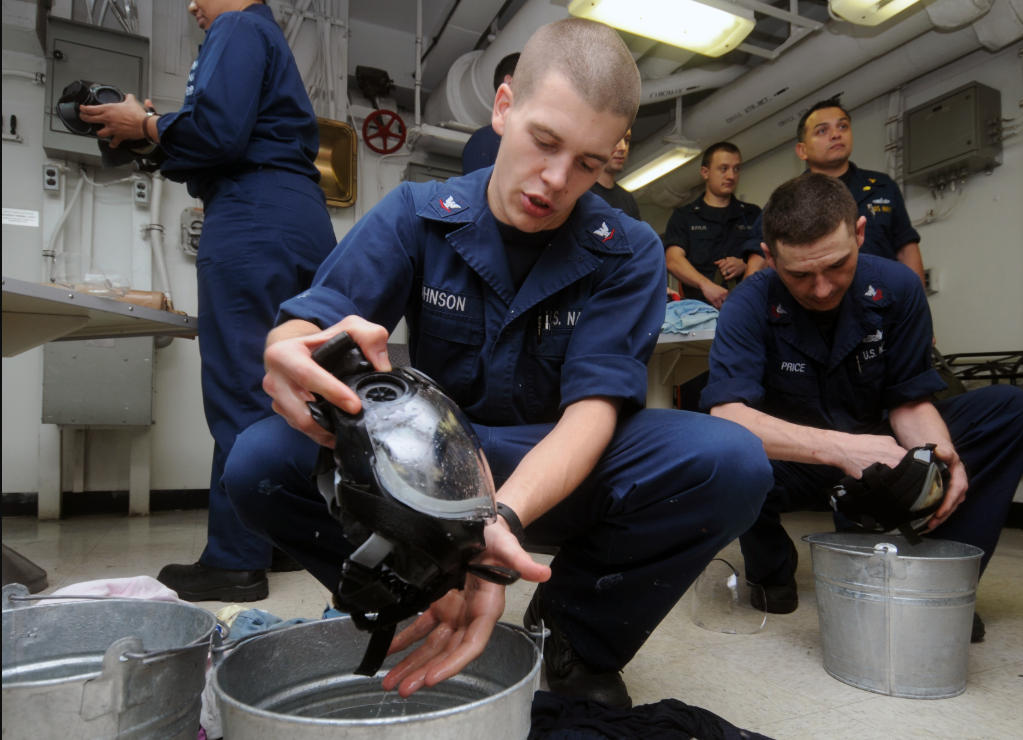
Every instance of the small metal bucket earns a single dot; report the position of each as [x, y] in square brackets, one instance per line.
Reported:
[299, 682]
[104, 668]
[895, 618]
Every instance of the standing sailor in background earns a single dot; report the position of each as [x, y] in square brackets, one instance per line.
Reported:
[244, 141]
[606, 187]
[704, 239]
[825, 144]
[481, 149]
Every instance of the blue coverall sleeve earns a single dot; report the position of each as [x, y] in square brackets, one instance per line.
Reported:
[739, 352]
[618, 329]
[215, 123]
[909, 375]
[676, 234]
[370, 273]
[756, 237]
[903, 232]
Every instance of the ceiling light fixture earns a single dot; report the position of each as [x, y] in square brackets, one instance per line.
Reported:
[868, 12]
[710, 27]
[671, 157]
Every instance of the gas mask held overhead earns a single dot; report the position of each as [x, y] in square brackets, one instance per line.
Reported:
[903, 498]
[145, 154]
[411, 489]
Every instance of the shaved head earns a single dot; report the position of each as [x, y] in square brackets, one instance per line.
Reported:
[591, 56]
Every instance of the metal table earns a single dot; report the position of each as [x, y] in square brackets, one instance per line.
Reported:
[678, 358]
[35, 314]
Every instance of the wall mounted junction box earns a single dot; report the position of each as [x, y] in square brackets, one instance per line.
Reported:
[959, 130]
[80, 51]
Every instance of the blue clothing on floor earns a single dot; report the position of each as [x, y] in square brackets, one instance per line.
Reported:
[245, 106]
[245, 140]
[480, 151]
[264, 235]
[878, 198]
[689, 315]
[254, 621]
[768, 354]
[670, 491]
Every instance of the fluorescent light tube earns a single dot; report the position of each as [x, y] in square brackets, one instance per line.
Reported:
[710, 27]
[868, 12]
[660, 166]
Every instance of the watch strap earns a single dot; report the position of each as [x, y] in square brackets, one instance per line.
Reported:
[508, 514]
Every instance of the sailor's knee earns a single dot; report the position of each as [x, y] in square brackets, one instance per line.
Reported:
[250, 470]
[742, 475]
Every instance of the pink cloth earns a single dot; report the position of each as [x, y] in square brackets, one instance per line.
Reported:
[139, 587]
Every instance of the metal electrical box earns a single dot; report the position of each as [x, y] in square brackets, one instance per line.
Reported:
[80, 51]
[99, 382]
[958, 130]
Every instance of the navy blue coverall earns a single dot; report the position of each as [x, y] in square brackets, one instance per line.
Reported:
[245, 141]
[671, 489]
[481, 150]
[769, 355]
[889, 227]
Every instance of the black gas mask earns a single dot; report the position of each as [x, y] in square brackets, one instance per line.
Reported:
[412, 491]
[903, 498]
[146, 155]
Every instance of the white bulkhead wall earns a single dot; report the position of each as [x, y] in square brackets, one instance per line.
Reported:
[181, 445]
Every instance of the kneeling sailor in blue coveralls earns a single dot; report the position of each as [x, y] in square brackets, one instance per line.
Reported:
[536, 306]
[827, 359]
[244, 141]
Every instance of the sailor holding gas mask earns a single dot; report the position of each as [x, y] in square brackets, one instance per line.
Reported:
[827, 358]
[244, 141]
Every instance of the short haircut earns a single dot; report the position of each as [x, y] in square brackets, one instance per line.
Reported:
[591, 56]
[721, 146]
[806, 209]
[834, 102]
[505, 68]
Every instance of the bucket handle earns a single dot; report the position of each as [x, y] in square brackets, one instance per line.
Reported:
[16, 596]
[538, 637]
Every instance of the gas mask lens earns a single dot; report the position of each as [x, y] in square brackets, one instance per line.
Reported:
[722, 601]
[424, 456]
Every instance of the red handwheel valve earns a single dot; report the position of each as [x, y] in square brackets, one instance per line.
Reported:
[380, 128]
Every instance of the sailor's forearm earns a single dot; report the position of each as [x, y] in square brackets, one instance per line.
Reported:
[562, 460]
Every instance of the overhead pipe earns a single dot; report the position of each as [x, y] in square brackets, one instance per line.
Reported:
[839, 49]
[713, 75]
[466, 94]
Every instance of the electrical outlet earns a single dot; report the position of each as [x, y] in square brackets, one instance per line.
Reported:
[932, 281]
[140, 190]
[51, 178]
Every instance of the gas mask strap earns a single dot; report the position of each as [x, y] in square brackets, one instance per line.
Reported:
[376, 651]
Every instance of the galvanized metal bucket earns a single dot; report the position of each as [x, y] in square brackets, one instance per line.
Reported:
[895, 618]
[299, 682]
[104, 668]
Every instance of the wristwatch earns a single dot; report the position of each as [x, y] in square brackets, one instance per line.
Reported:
[514, 523]
[150, 113]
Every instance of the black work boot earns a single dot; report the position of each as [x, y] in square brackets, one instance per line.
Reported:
[783, 599]
[198, 582]
[284, 563]
[567, 672]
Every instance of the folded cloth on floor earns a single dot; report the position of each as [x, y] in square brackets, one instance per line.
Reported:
[689, 315]
[138, 587]
[557, 717]
[228, 613]
[251, 621]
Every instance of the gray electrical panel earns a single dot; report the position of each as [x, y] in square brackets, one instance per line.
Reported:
[99, 382]
[959, 130]
[80, 51]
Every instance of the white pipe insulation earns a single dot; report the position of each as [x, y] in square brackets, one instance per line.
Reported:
[156, 235]
[711, 76]
[466, 94]
[772, 96]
